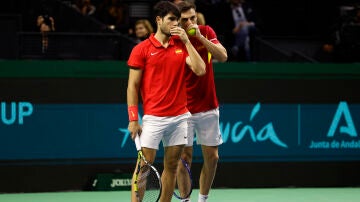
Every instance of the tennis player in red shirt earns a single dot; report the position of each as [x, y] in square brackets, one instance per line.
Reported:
[202, 99]
[157, 69]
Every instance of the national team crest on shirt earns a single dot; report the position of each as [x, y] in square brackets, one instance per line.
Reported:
[178, 51]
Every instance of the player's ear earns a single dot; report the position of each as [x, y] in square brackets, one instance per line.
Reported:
[157, 19]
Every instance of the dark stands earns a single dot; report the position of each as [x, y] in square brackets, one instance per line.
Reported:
[77, 36]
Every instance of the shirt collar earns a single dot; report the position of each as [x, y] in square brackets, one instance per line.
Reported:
[157, 44]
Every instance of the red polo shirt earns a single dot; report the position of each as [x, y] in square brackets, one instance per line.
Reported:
[201, 90]
[163, 88]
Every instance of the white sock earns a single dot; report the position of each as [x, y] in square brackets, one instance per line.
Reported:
[186, 200]
[202, 198]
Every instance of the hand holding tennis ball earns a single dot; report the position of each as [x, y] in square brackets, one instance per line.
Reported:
[191, 32]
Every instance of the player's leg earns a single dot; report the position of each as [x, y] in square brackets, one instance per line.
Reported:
[211, 157]
[208, 135]
[186, 155]
[168, 177]
[174, 142]
[181, 177]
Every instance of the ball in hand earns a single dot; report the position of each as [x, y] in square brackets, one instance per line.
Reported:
[191, 31]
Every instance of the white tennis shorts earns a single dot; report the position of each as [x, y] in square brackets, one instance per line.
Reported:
[171, 130]
[206, 127]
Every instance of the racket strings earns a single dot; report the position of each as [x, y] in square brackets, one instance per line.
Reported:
[148, 184]
[142, 177]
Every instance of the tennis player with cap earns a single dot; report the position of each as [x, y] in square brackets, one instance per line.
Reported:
[157, 70]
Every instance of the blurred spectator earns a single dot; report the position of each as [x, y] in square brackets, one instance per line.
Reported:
[342, 44]
[115, 14]
[239, 32]
[200, 18]
[45, 24]
[143, 29]
[355, 20]
[347, 46]
[84, 7]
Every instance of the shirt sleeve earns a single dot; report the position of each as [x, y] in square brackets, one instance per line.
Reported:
[211, 35]
[136, 58]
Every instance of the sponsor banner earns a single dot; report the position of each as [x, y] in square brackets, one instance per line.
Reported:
[111, 182]
[251, 132]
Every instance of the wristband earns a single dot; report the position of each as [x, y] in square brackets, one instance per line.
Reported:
[133, 113]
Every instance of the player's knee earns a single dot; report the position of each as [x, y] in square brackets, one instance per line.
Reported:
[213, 158]
[171, 165]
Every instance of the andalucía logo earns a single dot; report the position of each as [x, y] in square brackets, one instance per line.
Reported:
[342, 133]
[236, 131]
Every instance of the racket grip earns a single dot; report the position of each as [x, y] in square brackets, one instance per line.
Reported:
[137, 143]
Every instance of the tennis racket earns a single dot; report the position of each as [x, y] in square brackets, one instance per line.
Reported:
[147, 183]
[184, 191]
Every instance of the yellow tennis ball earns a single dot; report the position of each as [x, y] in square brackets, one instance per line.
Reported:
[191, 31]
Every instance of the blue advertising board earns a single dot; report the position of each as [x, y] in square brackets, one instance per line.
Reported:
[251, 132]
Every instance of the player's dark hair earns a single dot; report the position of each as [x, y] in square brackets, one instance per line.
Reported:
[185, 6]
[162, 8]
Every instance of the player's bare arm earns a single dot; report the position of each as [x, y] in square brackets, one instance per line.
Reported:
[194, 60]
[133, 99]
[217, 50]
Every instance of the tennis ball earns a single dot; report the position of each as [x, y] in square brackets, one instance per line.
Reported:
[191, 31]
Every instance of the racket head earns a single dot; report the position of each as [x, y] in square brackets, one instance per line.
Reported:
[147, 183]
[184, 191]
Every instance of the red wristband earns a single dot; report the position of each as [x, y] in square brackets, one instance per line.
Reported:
[133, 113]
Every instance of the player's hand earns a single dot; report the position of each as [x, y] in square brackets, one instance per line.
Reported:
[180, 32]
[190, 29]
[134, 128]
